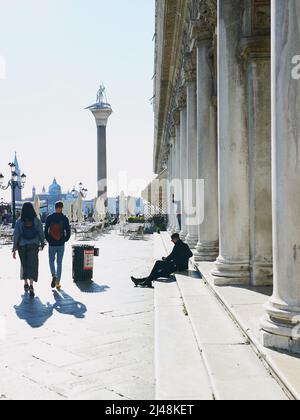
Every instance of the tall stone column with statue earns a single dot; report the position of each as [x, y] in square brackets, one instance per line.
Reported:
[101, 110]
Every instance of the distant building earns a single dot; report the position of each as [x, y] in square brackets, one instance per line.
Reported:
[54, 194]
[48, 199]
[137, 205]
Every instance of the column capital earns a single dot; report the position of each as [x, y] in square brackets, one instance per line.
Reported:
[190, 66]
[199, 33]
[204, 26]
[255, 47]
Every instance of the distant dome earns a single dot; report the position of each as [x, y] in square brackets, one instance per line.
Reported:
[55, 188]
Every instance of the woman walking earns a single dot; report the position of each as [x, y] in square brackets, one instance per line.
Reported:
[28, 237]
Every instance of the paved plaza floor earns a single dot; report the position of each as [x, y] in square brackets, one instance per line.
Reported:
[80, 343]
[110, 341]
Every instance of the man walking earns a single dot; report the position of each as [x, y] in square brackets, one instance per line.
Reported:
[57, 233]
[177, 261]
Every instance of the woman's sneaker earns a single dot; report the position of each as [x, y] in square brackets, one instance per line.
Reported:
[31, 292]
[53, 283]
[26, 287]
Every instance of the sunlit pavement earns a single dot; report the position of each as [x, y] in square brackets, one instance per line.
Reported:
[79, 343]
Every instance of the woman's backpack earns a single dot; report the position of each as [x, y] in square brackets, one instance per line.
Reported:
[29, 231]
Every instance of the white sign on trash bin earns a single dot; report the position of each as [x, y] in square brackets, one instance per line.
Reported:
[88, 263]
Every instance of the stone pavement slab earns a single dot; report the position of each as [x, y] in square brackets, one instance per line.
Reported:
[93, 342]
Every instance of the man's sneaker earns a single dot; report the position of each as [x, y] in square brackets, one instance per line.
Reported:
[53, 283]
[58, 285]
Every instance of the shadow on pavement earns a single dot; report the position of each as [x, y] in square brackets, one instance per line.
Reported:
[33, 311]
[91, 287]
[66, 305]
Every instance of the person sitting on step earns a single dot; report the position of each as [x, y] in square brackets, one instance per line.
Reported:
[177, 261]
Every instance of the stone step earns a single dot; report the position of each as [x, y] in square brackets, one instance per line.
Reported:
[245, 305]
[235, 371]
[179, 368]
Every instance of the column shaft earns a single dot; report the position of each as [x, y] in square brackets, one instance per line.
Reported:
[169, 199]
[208, 232]
[191, 203]
[232, 266]
[259, 100]
[102, 162]
[281, 328]
[183, 169]
[171, 189]
[177, 180]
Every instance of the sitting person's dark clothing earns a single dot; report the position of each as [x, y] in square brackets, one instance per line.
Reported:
[177, 261]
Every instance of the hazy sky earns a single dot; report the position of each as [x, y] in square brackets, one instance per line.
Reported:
[57, 52]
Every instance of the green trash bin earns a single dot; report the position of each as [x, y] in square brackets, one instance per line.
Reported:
[83, 262]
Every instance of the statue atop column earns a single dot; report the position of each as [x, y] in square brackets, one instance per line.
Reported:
[101, 99]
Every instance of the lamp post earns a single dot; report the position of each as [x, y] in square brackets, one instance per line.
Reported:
[13, 183]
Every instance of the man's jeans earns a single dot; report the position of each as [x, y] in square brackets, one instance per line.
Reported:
[56, 253]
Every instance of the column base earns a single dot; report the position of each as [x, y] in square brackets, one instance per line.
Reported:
[206, 251]
[229, 273]
[191, 241]
[281, 327]
[262, 274]
[280, 337]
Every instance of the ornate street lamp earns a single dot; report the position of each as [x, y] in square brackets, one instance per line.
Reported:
[13, 183]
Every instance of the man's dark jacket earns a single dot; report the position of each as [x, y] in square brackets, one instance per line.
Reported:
[66, 229]
[180, 256]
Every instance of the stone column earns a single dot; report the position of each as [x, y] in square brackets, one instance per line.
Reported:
[208, 231]
[101, 111]
[169, 209]
[191, 203]
[183, 162]
[281, 327]
[171, 187]
[256, 52]
[232, 266]
[177, 180]
[102, 162]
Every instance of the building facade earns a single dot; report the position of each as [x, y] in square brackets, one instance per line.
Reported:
[54, 194]
[50, 197]
[229, 140]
